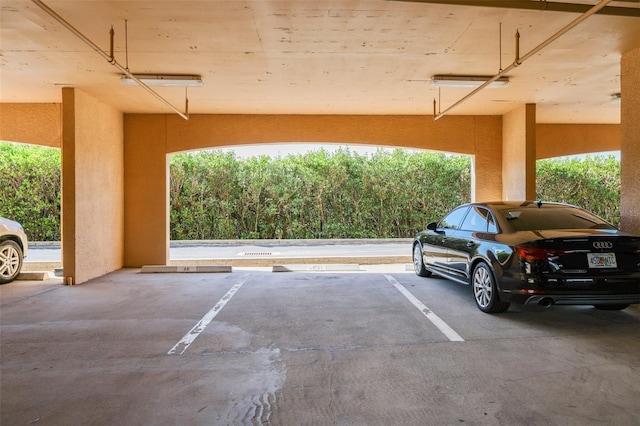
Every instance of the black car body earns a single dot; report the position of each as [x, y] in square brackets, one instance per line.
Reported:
[532, 253]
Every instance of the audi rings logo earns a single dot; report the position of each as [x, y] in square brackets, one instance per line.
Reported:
[603, 244]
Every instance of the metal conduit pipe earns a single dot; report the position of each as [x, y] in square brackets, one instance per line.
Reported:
[108, 58]
[535, 50]
[541, 5]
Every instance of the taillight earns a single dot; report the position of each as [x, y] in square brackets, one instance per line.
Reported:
[532, 254]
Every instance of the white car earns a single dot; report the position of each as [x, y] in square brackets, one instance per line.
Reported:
[13, 249]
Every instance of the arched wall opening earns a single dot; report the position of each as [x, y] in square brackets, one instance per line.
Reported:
[591, 181]
[149, 139]
[30, 185]
[312, 191]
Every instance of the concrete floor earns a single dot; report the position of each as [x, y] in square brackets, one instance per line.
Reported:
[254, 347]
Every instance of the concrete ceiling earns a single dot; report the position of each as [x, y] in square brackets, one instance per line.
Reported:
[319, 57]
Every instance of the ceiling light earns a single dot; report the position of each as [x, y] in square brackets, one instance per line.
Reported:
[166, 80]
[467, 81]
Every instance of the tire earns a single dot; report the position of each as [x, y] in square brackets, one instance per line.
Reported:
[612, 307]
[485, 291]
[418, 263]
[10, 261]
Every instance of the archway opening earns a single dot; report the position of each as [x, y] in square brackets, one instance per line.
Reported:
[30, 190]
[591, 181]
[312, 191]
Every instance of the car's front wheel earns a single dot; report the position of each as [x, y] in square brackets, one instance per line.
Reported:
[418, 263]
[10, 261]
[485, 290]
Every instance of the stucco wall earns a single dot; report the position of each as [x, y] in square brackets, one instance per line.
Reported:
[37, 124]
[149, 138]
[519, 153]
[630, 141]
[479, 136]
[450, 134]
[555, 140]
[146, 190]
[92, 186]
[488, 159]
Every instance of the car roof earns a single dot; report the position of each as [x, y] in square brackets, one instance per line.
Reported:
[521, 204]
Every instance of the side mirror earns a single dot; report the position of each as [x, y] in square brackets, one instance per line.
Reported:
[433, 226]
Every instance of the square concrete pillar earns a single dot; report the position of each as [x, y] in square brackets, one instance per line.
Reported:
[519, 153]
[630, 142]
[92, 187]
[488, 159]
[146, 177]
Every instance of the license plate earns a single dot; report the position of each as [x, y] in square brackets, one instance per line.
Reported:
[602, 260]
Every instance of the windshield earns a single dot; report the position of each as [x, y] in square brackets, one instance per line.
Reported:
[552, 217]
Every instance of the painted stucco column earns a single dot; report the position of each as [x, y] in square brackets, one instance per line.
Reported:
[519, 153]
[487, 184]
[630, 142]
[146, 183]
[92, 187]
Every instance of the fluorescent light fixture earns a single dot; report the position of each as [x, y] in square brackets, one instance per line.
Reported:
[467, 81]
[166, 80]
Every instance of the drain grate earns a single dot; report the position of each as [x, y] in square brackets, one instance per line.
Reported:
[256, 253]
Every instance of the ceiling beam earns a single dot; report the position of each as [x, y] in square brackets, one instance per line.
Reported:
[541, 5]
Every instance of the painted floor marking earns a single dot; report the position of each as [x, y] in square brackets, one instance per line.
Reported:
[435, 319]
[188, 338]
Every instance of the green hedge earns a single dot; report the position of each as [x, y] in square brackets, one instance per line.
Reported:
[592, 183]
[214, 195]
[342, 194]
[30, 189]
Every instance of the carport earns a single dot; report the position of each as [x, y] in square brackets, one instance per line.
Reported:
[376, 345]
[348, 72]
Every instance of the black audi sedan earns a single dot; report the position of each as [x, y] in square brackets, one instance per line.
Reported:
[532, 253]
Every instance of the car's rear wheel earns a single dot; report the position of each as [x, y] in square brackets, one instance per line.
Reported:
[612, 307]
[10, 261]
[418, 263]
[485, 290]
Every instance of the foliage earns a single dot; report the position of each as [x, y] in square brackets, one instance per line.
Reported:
[215, 195]
[30, 189]
[592, 183]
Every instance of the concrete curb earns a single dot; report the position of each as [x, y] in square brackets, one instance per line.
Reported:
[273, 261]
[285, 242]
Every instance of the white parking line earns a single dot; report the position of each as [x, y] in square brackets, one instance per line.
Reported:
[188, 338]
[436, 320]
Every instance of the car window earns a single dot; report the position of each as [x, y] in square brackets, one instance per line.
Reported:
[476, 220]
[453, 219]
[553, 217]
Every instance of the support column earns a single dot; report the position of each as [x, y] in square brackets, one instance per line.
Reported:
[630, 143]
[146, 176]
[92, 187]
[519, 154]
[488, 159]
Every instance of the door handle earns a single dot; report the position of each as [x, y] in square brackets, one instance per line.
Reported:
[470, 244]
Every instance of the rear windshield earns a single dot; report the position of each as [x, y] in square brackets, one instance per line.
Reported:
[552, 217]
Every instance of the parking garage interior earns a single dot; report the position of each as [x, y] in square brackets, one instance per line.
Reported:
[306, 348]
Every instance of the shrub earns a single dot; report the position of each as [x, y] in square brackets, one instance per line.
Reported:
[592, 183]
[30, 189]
[320, 194]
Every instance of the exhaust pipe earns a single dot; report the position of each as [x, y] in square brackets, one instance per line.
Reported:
[545, 302]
